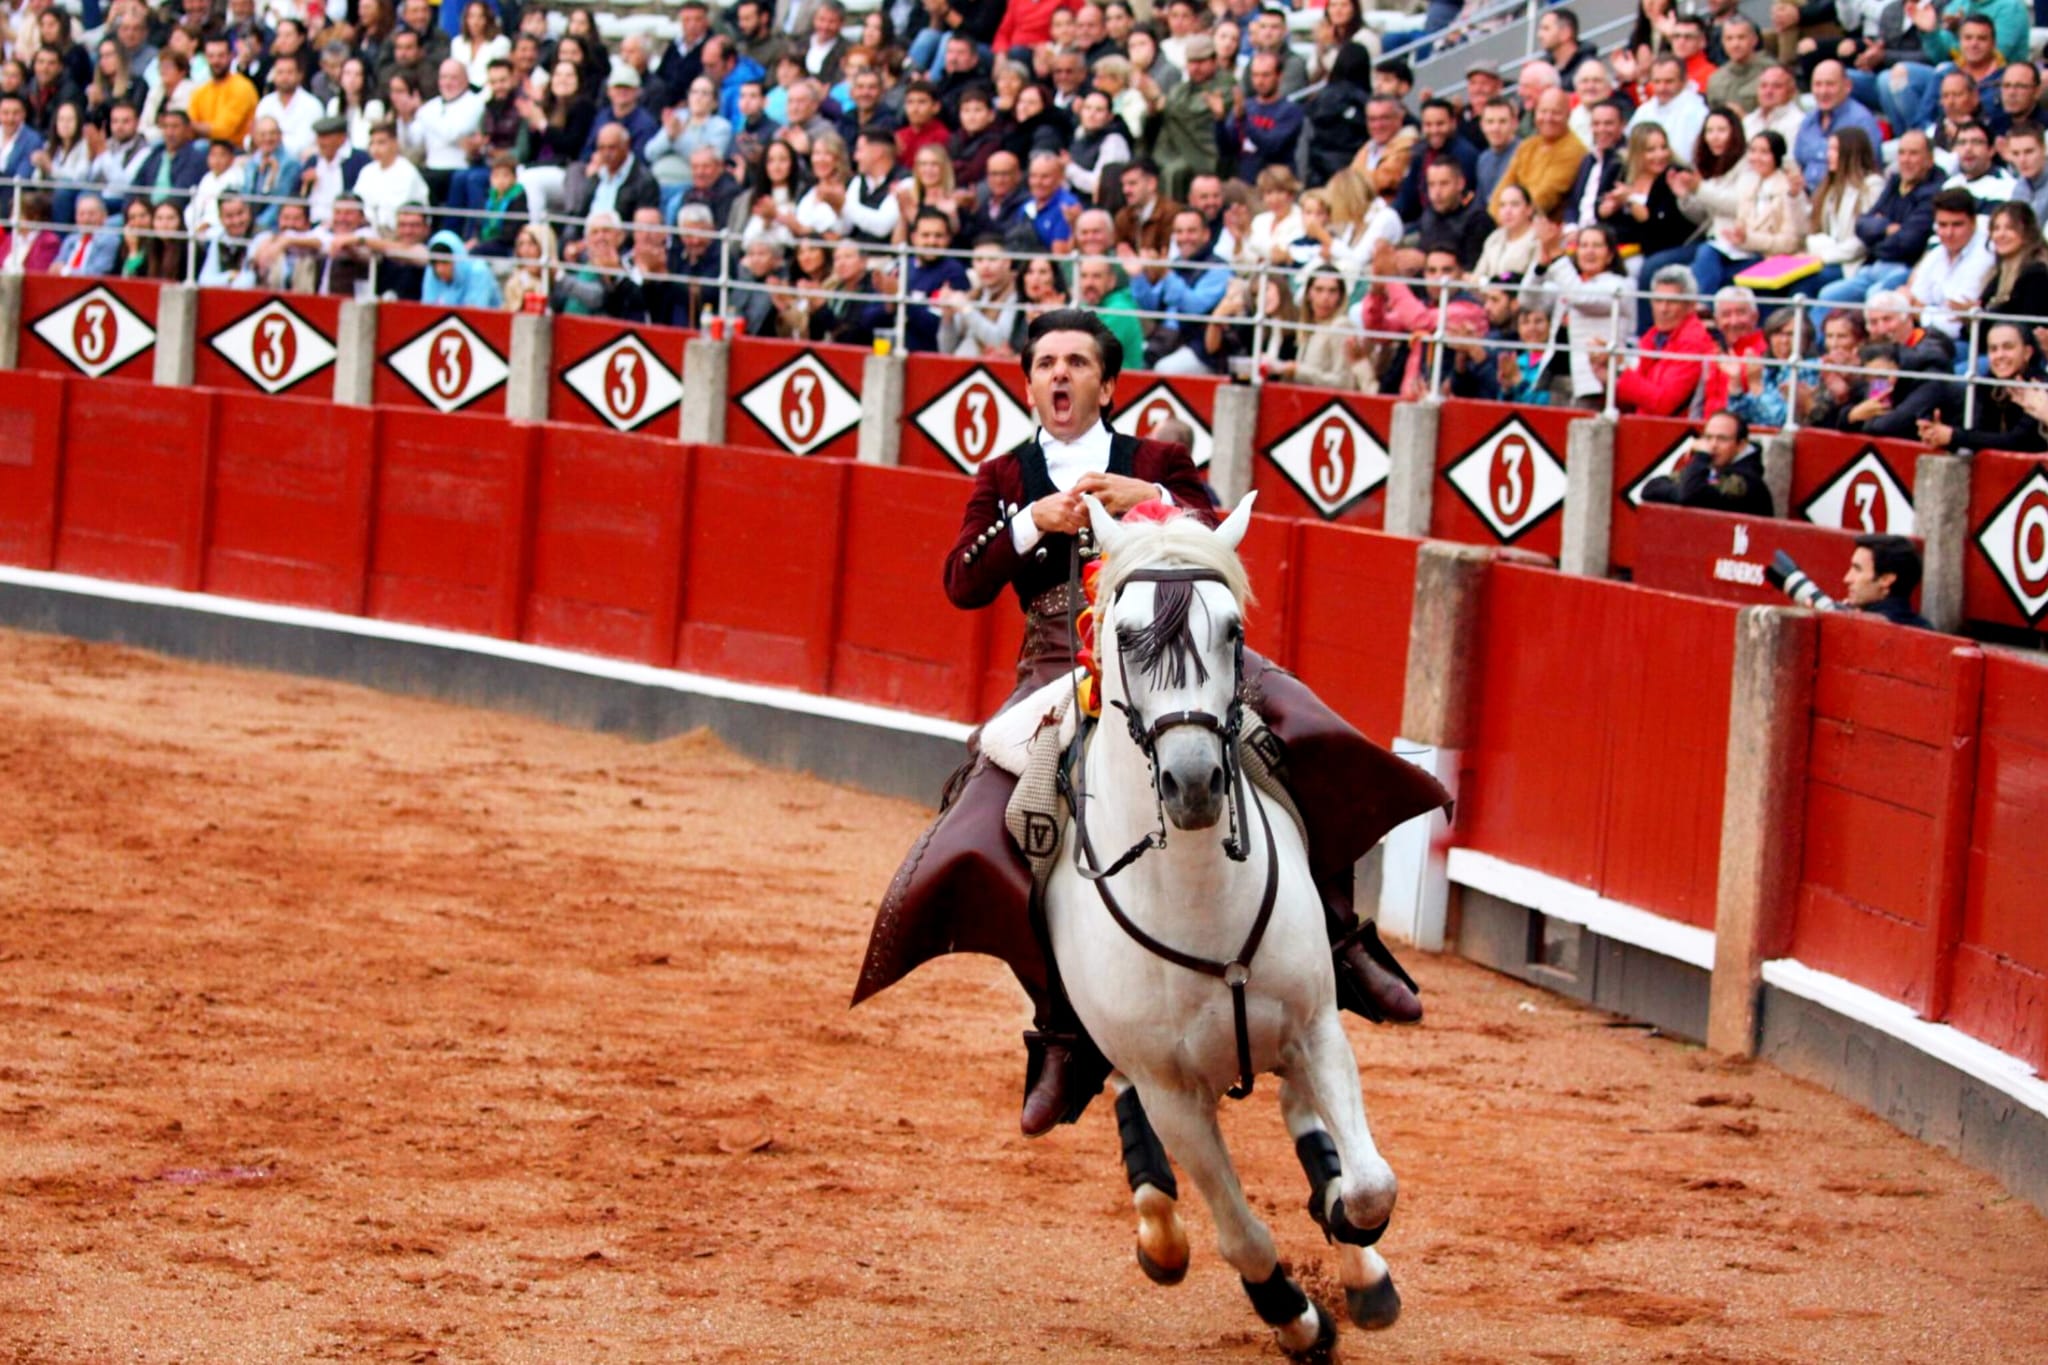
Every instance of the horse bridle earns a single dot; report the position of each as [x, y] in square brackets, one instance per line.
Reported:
[1236, 973]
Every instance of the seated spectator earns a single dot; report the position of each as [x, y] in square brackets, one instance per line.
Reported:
[1334, 118]
[853, 321]
[1279, 226]
[1888, 403]
[1599, 169]
[398, 260]
[1833, 109]
[66, 157]
[1758, 389]
[160, 254]
[1322, 338]
[930, 275]
[2023, 148]
[1909, 93]
[1687, 39]
[170, 170]
[1100, 144]
[228, 262]
[122, 154]
[1334, 234]
[979, 320]
[1185, 284]
[388, 182]
[1589, 293]
[1592, 87]
[1742, 67]
[224, 108]
[222, 174]
[922, 126]
[711, 185]
[1501, 133]
[621, 109]
[504, 209]
[1546, 164]
[1043, 292]
[768, 207]
[1710, 188]
[1771, 218]
[977, 138]
[1851, 189]
[2018, 284]
[666, 299]
[1777, 108]
[1642, 209]
[1390, 306]
[355, 101]
[454, 279]
[1439, 141]
[1228, 341]
[92, 248]
[479, 41]
[1959, 108]
[1951, 276]
[1741, 343]
[868, 208]
[2011, 415]
[1051, 207]
[1675, 107]
[761, 265]
[1989, 183]
[33, 249]
[269, 175]
[295, 108]
[1452, 219]
[532, 278]
[616, 181]
[1722, 474]
[1896, 229]
[1668, 380]
[1265, 125]
[600, 285]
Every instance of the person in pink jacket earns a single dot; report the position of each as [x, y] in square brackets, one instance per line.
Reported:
[1393, 307]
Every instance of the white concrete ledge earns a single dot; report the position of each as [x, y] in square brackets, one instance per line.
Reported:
[1560, 899]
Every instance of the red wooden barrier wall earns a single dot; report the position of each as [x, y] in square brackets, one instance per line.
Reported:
[1853, 482]
[133, 493]
[1889, 767]
[293, 484]
[97, 328]
[31, 451]
[607, 574]
[763, 551]
[957, 413]
[453, 522]
[266, 343]
[614, 375]
[442, 359]
[2005, 571]
[899, 642]
[1601, 742]
[1500, 475]
[794, 397]
[1144, 400]
[1354, 594]
[1321, 453]
[2001, 961]
[1723, 556]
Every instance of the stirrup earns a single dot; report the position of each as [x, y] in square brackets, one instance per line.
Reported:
[1351, 994]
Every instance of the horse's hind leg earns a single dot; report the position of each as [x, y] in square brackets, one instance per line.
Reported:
[1162, 1240]
[1188, 1124]
[1369, 1294]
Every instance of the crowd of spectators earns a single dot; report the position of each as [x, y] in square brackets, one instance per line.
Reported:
[1233, 187]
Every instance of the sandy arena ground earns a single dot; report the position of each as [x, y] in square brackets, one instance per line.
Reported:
[337, 1026]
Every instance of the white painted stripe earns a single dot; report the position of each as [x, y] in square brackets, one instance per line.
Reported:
[567, 661]
[1563, 900]
[1976, 1059]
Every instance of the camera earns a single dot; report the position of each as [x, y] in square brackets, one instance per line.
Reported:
[1784, 574]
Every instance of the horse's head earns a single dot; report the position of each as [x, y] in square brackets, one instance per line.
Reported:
[1170, 634]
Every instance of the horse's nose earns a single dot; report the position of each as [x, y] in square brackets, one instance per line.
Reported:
[1169, 787]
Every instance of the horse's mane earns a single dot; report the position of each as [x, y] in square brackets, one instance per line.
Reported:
[1180, 541]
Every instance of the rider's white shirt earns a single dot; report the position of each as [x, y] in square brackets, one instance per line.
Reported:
[1066, 462]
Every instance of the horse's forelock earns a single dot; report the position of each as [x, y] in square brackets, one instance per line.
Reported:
[1181, 542]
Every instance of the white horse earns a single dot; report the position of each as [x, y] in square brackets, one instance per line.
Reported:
[1201, 958]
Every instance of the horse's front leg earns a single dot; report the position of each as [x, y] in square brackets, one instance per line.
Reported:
[1186, 1123]
[1162, 1239]
[1366, 1191]
[1369, 1294]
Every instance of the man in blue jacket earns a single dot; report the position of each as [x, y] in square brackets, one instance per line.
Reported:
[1188, 286]
[931, 276]
[95, 248]
[1265, 127]
[1896, 230]
[18, 144]
[455, 279]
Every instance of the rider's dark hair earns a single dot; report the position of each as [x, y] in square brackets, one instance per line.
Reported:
[1108, 349]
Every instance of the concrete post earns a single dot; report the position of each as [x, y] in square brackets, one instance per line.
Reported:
[705, 367]
[1770, 713]
[1231, 449]
[533, 351]
[881, 409]
[10, 321]
[1588, 497]
[1941, 515]
[1443, 635]
[177, 334]
[1778, 471]
[1411, 474]
[355, 361]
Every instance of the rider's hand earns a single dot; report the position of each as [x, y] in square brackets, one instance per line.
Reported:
[1115, 492]
[1061, 513]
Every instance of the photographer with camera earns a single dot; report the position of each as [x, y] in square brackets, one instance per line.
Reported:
[1723, 474]
[1883, 572]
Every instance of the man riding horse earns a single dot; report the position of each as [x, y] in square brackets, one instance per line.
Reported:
[964, 886]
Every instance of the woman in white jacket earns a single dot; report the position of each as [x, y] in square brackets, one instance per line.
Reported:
[1514, 246]
[1589, 295]
[981, 321]
[1770, 218]
[1710, 189]
[1849, 191]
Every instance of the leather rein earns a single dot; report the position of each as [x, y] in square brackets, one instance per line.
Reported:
[1235, 973]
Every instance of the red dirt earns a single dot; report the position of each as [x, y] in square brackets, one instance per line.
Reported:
[337, 1025]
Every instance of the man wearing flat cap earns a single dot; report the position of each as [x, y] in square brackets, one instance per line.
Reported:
[1188, 116]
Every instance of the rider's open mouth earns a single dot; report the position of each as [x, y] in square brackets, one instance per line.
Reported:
[1062, 404]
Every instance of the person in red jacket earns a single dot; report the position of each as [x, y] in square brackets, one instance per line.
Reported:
[1661, 383]
[1028, 23]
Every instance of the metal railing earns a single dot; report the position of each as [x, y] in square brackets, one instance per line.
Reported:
[1266, 331]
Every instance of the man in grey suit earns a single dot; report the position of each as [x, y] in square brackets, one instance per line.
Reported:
[94, 248]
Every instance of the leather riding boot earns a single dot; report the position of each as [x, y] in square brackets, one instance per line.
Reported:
[1048, 1081]
[1369, 981]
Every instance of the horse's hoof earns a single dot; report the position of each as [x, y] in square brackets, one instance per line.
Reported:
[1161, 1274]
[1375, 1308]
[1325, 1341]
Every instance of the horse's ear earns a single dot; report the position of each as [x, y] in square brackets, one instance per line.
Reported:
[1231, 532]
[1108, 535]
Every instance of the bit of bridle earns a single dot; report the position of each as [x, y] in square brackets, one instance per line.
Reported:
[1235, 973]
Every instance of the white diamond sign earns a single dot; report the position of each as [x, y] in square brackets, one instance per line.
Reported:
[1511, 480]
[2015, 540]
[1157, 404]
[1865, 496]
[974, 419]
[274, 347]
[449, 365]
[95, 332]
[624, 383]
[803, 405]
[1332, 459]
